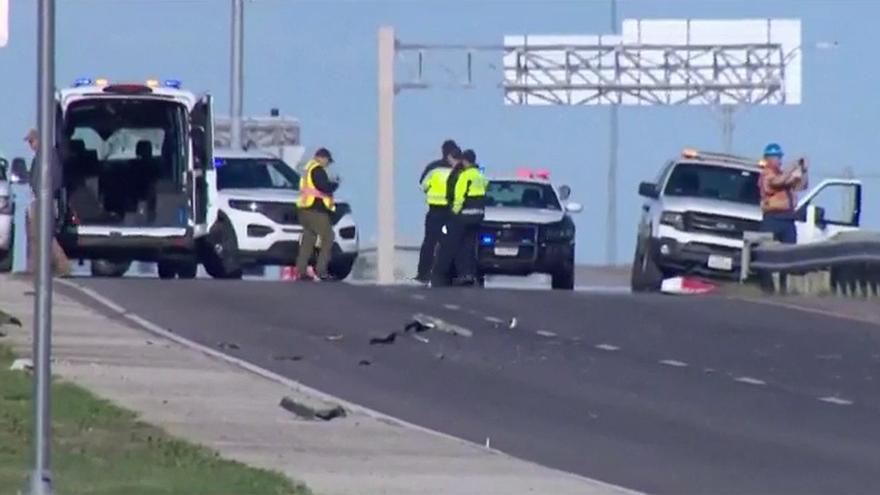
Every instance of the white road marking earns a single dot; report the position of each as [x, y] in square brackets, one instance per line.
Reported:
[607, 347]
[673, 362]
[749, 380]
[836, 400]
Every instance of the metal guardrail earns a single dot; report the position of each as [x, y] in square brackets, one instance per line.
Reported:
[847, 265]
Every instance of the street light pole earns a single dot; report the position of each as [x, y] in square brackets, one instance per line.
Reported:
[613, 138]
[236, 82]
[41, 481]
[385, 204]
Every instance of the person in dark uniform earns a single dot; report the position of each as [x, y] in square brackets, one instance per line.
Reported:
[458, 247]
[433, 183]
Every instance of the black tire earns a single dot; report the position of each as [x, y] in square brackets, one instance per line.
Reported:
[110, 269]
[167, 270]
[221, 257]
[563, 279]
[341, 269]
[6, 256]
[187, 270]
[646, 275]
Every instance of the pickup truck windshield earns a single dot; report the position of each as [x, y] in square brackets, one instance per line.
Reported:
[699, 180]
[255, 173]
[519, 194]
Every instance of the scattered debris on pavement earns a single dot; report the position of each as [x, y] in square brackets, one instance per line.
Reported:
[388, 339]
[295, 357]
[686, 286]
[8, 319]
[228, 345]
[418, 325]
[364, 362]
[305, 411]
[443, 326]
[421, 339]
[439, 356]
[22, 364]
[545, 333]
[513, 323]
[334, 338]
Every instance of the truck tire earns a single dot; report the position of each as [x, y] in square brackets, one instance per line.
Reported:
[221, 257]
[341, 269]
[167, 270]
[109, 269]
[646, 275]
[563, 279]
[187, 269]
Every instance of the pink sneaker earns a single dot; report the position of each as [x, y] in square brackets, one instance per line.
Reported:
[311, 274]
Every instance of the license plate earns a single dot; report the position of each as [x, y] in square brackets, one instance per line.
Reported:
[506, 251]
[720, 262]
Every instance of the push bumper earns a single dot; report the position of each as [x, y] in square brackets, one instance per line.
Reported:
[546, 258]
[696, 258]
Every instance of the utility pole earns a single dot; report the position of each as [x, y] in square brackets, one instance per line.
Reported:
[613, 138]
[41, 480]
[236, 82]
[385, 203]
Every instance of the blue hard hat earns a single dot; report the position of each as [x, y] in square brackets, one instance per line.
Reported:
[773, 149]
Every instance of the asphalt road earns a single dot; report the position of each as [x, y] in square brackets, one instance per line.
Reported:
[659, 394]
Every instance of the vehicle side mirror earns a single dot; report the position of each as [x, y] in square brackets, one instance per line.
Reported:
[564, 192]
[819, 215]
[574, 207]
[649, 190]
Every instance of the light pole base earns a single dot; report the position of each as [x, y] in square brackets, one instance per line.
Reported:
[40, 483]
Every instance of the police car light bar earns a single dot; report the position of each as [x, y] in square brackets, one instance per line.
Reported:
[722, 157]
[82, 81]
[527, 173]
[172, 83]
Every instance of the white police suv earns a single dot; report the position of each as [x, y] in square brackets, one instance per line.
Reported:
[700, 205]
[257, 220]
[527, 229]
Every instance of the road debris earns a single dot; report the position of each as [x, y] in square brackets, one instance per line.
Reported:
[421, 339]
[545, 333]
[308, 412]
[443, 326]
[8, 319]
[512, 323]
[418, 326]
[453, 307]
[295, 357]
[388, 339]
[364, 362]
[334, 338]
[22, 364]
[228, 345]
[488, 443]
[439, 356]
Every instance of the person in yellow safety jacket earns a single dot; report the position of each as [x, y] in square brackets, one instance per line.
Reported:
[433, 184]
[459, 247]
[313, 211]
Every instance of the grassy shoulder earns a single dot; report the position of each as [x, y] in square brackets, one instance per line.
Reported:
[99, 448]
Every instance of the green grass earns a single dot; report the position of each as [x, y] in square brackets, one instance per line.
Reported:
[98, 448]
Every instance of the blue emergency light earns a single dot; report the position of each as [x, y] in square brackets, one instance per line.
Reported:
[219, 162]
[82, 81]
[487, 239]
[172, 83]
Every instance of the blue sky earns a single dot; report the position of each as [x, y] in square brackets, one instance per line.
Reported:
[316, 60]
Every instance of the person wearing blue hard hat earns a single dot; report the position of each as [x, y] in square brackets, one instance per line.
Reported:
[779, 188]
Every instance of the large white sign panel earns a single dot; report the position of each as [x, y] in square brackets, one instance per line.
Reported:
[659, 62]
[4, 22]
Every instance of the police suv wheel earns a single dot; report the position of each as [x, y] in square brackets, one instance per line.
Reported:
[221, 257]
[107, 268]
[187, 270]
[166, 270]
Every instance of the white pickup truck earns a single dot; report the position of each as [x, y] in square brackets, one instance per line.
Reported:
[696, 211]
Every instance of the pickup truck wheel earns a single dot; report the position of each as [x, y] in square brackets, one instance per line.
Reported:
[563, 279]
[221, 258]
[646, 275]
[167, 270]
[107, 268]
[6, 257]
[187, 270]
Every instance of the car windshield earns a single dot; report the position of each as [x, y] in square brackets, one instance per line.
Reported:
[713, 182]
[518, 194]
[255, 173]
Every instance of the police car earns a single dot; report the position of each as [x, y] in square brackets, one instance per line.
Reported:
[527, 229]
[257, 220]
[696, 211]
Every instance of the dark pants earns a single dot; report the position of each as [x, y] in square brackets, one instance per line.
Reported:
[435, 219]
[315, 224]
[458, 249]
[781, 225]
